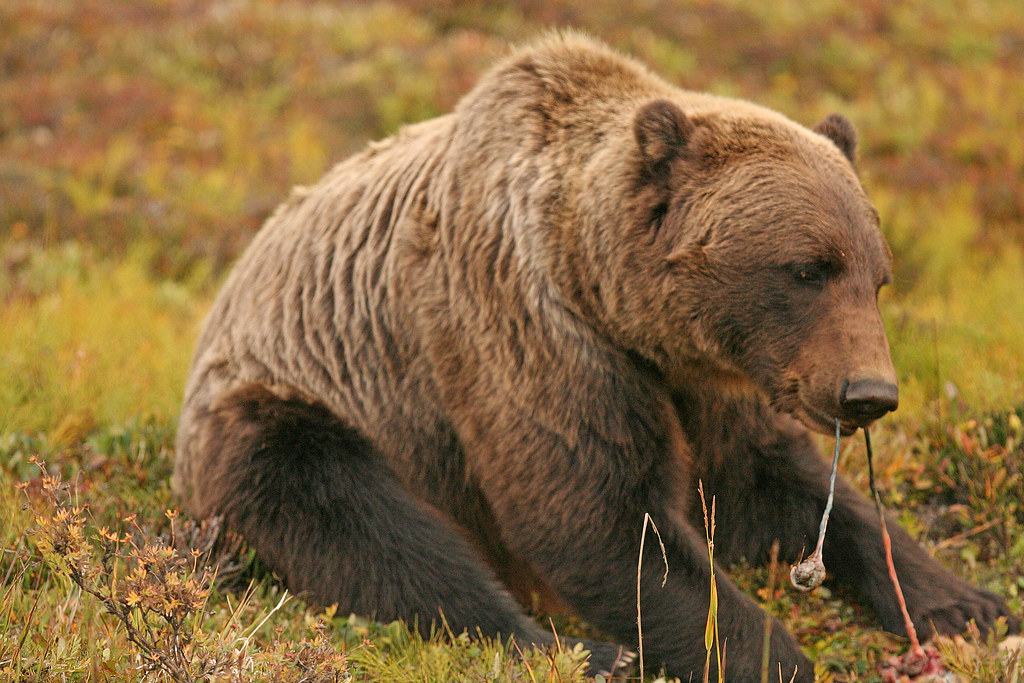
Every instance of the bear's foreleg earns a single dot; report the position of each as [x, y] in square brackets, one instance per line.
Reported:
[575, 510]
[771, 483]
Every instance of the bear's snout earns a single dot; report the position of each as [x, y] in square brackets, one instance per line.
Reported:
[862, 401]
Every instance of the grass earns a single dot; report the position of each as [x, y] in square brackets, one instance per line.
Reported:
[143, 143]
[90, 340]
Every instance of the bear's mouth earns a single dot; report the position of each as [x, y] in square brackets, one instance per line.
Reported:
[793, 401]
[822, 423]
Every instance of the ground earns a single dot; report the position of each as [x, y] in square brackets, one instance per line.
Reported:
[142, 145]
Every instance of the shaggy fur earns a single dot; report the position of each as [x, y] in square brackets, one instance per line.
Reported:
[475, 354]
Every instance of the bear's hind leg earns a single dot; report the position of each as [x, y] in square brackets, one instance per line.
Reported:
[324, 511]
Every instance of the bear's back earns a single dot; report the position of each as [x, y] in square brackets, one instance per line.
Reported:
[309, 308]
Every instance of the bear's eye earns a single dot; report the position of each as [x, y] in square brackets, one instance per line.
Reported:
[814, 274]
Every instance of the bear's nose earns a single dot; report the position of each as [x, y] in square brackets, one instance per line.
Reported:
[865, 400]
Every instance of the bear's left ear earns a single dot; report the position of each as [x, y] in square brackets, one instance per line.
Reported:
[839, 130]
[662, 131]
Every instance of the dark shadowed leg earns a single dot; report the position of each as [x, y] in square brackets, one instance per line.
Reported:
[576, 514]
[324, 511]
[771, 484]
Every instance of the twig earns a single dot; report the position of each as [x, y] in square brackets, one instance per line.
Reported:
[965, 535]
[244, 642]
[915, 644]
[639, 566]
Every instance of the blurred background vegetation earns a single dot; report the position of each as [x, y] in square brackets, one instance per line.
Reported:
[143, 143]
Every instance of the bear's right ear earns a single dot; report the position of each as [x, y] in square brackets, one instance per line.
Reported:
[662, 131]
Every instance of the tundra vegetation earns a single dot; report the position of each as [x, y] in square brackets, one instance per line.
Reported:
[142, 144]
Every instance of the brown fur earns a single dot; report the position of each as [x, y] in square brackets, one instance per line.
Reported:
[507, 333]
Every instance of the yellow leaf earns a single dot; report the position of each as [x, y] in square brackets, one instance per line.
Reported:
[709, 630]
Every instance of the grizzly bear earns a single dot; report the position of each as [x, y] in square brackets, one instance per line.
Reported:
[466, 363]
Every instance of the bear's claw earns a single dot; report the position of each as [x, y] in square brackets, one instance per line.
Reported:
[624, 663]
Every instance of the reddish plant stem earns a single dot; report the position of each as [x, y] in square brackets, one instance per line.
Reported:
[915, 644]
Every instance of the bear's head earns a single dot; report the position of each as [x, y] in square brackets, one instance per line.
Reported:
[747, 250]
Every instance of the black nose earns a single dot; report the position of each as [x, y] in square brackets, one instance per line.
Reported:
[866, 400]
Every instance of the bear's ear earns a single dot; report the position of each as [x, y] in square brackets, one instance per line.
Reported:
[839, 130]
[661, 130]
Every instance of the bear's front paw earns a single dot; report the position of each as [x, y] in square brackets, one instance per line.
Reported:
[609, 660]
[947, 609]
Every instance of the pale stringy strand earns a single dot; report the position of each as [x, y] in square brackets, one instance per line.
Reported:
[809, 573]
[831, 493]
